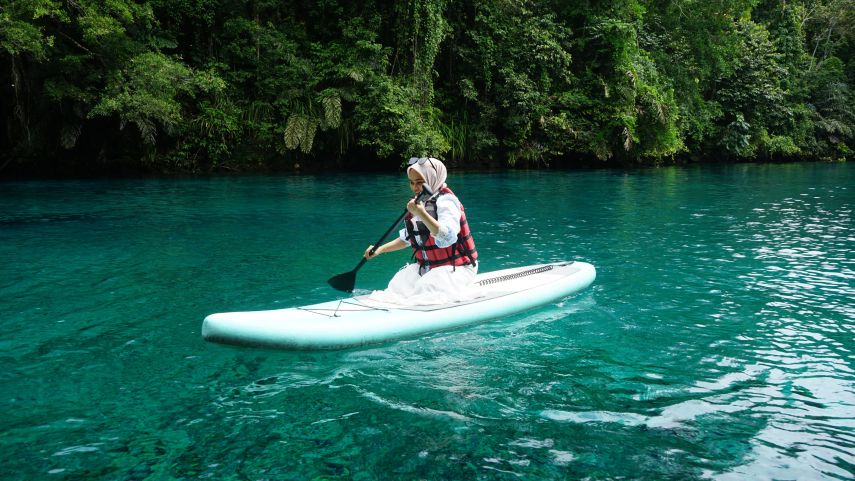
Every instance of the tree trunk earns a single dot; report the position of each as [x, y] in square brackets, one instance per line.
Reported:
[20, 106]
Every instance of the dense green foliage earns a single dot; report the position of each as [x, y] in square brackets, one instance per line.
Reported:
[196, 85]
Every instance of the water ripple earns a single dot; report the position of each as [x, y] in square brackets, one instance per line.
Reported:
[716, 342]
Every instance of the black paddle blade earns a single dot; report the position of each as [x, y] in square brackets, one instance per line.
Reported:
[343, 282]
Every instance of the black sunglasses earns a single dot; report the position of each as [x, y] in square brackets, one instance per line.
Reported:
[422, 161]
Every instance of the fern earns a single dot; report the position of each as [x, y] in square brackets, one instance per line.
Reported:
[332, 111]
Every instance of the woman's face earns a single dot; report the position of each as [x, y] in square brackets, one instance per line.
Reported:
[416, 181]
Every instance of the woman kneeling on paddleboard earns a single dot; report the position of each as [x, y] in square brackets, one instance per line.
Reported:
[446, 259]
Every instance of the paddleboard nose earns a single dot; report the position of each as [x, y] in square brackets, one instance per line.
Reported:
[209, 326]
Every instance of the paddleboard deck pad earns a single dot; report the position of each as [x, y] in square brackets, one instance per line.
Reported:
[358, 320]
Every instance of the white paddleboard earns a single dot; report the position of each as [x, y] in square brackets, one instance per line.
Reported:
[356, 321]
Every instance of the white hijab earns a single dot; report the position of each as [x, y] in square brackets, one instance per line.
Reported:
[433, 172]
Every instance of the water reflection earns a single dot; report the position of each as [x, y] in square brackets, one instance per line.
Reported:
[800, 281]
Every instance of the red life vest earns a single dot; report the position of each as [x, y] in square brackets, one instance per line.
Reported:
[427, 253]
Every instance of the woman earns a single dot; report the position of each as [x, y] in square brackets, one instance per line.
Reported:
[437, 231]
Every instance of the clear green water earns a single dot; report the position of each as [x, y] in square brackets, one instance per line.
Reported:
[716, 343]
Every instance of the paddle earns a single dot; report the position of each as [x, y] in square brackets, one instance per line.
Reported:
[346, 281]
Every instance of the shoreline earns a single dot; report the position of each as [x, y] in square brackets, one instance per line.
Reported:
[127, 171]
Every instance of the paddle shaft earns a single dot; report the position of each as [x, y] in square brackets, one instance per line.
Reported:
[389, 230]
[381, 239]
[346, 281]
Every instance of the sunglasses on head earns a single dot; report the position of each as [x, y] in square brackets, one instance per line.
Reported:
[422, 161]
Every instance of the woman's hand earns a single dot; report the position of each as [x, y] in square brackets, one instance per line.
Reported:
[416, 208]
[370, 255]
[390, 246]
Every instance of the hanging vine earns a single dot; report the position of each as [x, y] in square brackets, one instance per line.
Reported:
[429, 29]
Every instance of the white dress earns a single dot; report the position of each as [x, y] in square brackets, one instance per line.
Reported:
[440, 285]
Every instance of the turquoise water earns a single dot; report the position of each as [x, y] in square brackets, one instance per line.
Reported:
[716, 343]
